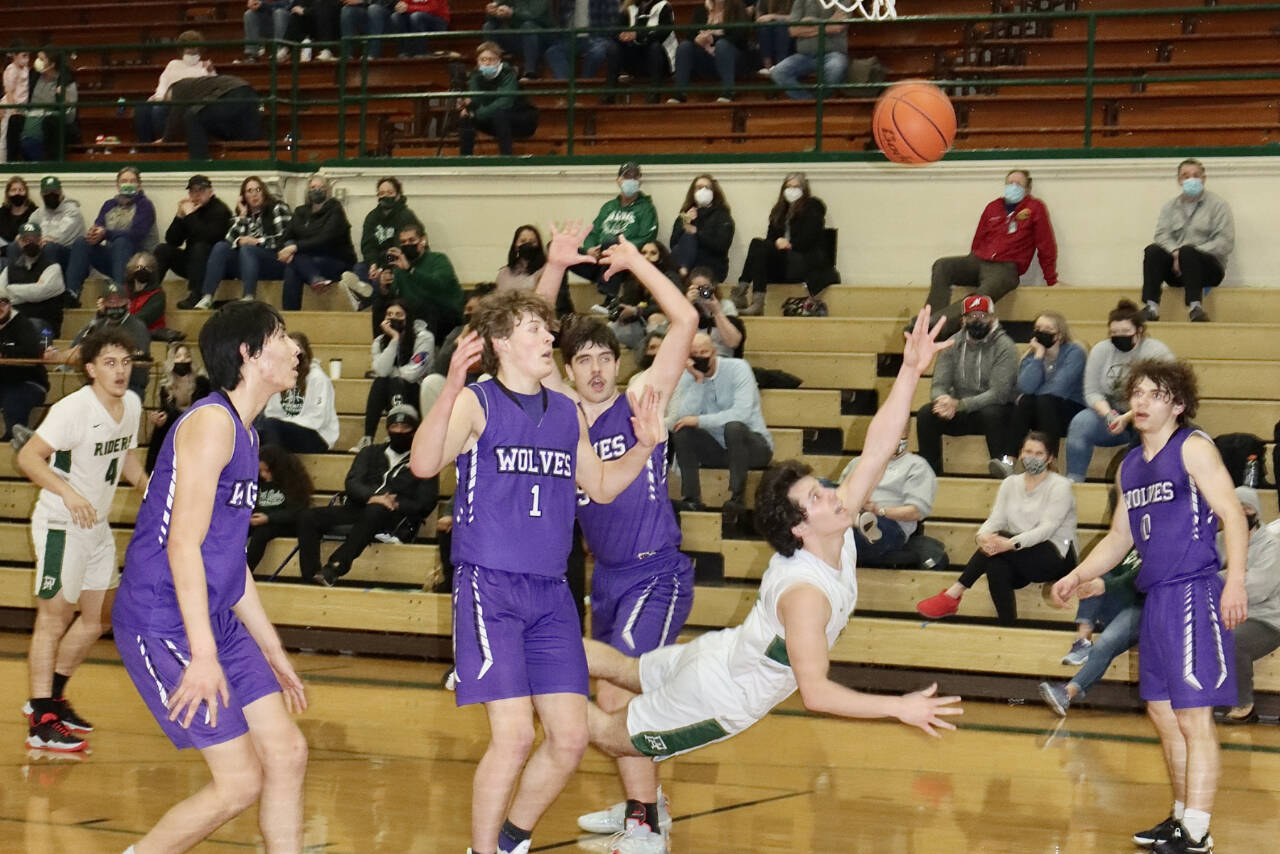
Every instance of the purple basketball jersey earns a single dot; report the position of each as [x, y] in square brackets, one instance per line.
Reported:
[146, 602]
[514, 507]
[1172, 524]
[640, 521]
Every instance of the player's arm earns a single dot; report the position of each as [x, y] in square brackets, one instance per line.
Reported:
[1211, 477]
[886, 427]
[1109, 551]
[562, 253]
[250, 612]
[33, 461]
[804, 612]
[603, 482]
[134, 470]
[201, 450]
[455, 420]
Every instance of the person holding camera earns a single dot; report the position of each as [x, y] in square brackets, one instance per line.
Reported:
[423, 279]
[717, 315]
[380, 232]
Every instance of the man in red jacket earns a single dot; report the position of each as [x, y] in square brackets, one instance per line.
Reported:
[1012, 229]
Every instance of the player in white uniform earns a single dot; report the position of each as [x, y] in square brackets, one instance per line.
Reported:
[90, 436]
[694, 694]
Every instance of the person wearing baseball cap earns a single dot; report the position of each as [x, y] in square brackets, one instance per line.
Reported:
[200, 223]
[113, 311]
[61, 228]
[973, 385]
[34, 282]
[630, 214]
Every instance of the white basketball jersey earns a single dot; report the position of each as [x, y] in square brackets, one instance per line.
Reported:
[89, 449]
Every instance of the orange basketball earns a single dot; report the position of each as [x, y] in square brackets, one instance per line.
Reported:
[913, 122]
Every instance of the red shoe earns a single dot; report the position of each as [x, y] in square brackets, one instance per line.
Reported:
[937, 607]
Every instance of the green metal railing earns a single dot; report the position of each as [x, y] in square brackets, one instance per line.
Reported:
[286, 99]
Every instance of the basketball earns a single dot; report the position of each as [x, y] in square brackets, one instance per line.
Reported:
[913, 122]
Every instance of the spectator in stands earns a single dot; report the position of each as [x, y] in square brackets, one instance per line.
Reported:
[147, 299]
[1050, 386]
[630, 214]
[424, 280]
[1259, 635]
[818, 45]
[365, 18]
[1030, 536]
[400, 358]
[312, 21]
[181, 385]
[17, 88]
[284, 492]
[317, 248]
[597, 50]
[796, 247]
[525, 259]
[717, 315]
[718, 421]
[1106, 420]
[202, 221]
[1195, 236]
[419, 16]
[381, 493]
[433, 383]
[263, 16]
[22, 387]
[899, 503]
[973, 383]
[713, 52]
[380, 232]
[149, 119]
[224, 108]
[630, 312]
[251, 248]
[46, 132]
[33, 282]
[113, 311]
[703, 232]
[508, 23]
[502, 112]
[772, 33]
[648, 44]
[16, 209]
[304, 418]
[61, 229]
[125, 225]
[1010, 230]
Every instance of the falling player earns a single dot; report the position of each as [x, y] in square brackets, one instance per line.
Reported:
[1175, 488]
[188, 622]
[90, 435]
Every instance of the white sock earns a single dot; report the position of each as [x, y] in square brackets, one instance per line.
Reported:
[1153, 305]
[129, 850]
[1197, 824]
[1179, 809]
[1195, 303]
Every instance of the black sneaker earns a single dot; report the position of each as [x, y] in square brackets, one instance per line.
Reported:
[52, 734]
[329, 574]
[68, 716]
[1180, 842]
[1157, 834]
[689, 505]
[1198, 315]
[70, 300]
[189, 302]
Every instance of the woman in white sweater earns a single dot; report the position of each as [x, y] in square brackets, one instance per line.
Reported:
[303, 419]
[1030, 536]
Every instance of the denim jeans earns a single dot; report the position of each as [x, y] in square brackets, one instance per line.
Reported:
[722, 62]
[149, 120]
[787, 73]
[775, 41]
[308, 269]
[416, 22]
[74, 261]
[16, 402]
[108, 257]
[892, 539]
[596, 52]
[256, 21]
[515, 41]
[1120, 635]
[371, 20]
[1088, 430]
[246, 263]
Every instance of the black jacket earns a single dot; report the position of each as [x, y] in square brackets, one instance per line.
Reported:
[371, 474]
[714, 235]
[20, 339]
[206, 224]
[10, 222]
[324, 232]
[808, 235]
[197, 89]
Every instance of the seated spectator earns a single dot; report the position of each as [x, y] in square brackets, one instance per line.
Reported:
[712, 52]
[365, 18]
[502, 112]
[1050, 386]
[113, 311]
[149, 119]
[597, 50]
[126, 225]
[202, 221]
[424, 280]
[312, 21]
[433, 382]
[717, 315]
[224, 108]
[147, 299]
[45, 133]
[630, 214]
[1106, 420]
[305, 417]
[22, 387]
[1195, 236]
[508, 23]
[181, 385]
[900, 502]
[317, 247]
[1030, 536]
[400, 358]
[251, 248]
[380, 232]
[419, 16]
[265, 16]
[284, 493]
[718, 422]
[647, 48]
[1010, 230]
[794, 249]
[828, 50]
[61, 228]
[381, 493]
[972, 385]
[703, 232]
[525, 259]
[773, 34]
[33, 282]
[15, 210]
[17, 88]
[1259, 635]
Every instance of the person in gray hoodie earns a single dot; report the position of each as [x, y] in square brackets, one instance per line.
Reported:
[973, 384]
[1259, 635]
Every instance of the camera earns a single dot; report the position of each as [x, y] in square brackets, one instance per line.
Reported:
[391, 258]
[615, 308]
[706, 292]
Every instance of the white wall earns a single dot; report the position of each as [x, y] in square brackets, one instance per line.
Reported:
[893, 220]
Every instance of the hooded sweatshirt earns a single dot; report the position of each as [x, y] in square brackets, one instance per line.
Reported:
[638, 221]
[324, 232]
[382, 229]
[977, 373]
[63, 224]
[316, 410]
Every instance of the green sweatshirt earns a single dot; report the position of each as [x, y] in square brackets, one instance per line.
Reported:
[429, 282]
[505, 89]
[638, 222]
[382, 230]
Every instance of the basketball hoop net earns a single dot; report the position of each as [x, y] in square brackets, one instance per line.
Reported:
[871, 10]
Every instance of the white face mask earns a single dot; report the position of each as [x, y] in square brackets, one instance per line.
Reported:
[703, 196]
[39, 65]
[191, 58]
[792, 194]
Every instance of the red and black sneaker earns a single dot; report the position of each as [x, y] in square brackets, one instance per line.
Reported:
[68, 716]
[50, 733]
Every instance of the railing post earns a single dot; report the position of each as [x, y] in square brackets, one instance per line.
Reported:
[1088, 80]
[573, 90]
[822, 86]
[343, 53]
[293, 103]
[272, 146]
[364, 102]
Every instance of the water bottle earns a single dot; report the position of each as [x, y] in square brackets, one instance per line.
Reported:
[1252, 476]
[120, 107]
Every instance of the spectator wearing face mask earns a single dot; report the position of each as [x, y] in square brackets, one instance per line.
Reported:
[1106, 420]
[900, 502]
[126, 225]
[501, 111]
[305, 417]
[61, 228]
[1259, 635]
[22, 387]
[202, 221]
[401, 356]
[973, 382]
[525, 260]
[147, 300]
[15, 209]
[317, 248]
[794, 249]
[149, 119]
[181, 385]
[380, 232]
[630, 214]
[703, 232]
[424, 280]
[1195, 236]
[113, 311]
[1011, 230]
[33, 282]
[46, 131]
[17, 88]
[717, 315]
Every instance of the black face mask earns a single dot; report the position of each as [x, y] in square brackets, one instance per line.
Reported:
[181, 369]
[529, 252]
[400, 442]
[316, 196]
[52, 200]
[397, 325]
[411, 252]
[142, 280]
[1046, 339]
[702, 364]
[387, 202]
[31, 250]
[1254, 524]
[116, 312]
[645, 361]
[1123, 343]
[978, 331]
[17, 201]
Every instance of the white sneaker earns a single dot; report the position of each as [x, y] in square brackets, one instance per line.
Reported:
[637, 839]
[365, 441]
[305, 54]
[282, 55]
[522, 848]
[205, 303]
[326, 55]
[764, 72]
[612, 819]
[352, 282]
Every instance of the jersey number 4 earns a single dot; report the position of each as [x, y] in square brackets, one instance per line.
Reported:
[536, 491]
[112, 470]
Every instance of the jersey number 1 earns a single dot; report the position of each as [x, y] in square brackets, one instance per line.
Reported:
[536, 490]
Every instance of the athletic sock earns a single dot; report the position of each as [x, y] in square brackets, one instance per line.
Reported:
[129, 850]
[1195, 303]
[59, 685]
[511, 836]
[644, 813]
[1153, 305]
[1179, 809]
[1197, 824]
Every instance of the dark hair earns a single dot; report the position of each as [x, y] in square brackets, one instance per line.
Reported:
[1190, 161]
[782, 208]
[581, 330]
[1127, 310]
[703, 273]
[267, 199]
[511, 251]
[664, 262]
[416, 228]
[480, 291]
[112, 336]
[407, 337]
[1050, 443]
[288, 473]
[776, 514]
[1175, 378]
[497, 315]
[393, 181]
[1025, 174]
[236, 324]
[717, 195]
[304, 360]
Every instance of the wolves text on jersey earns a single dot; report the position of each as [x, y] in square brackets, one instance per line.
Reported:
[1153, 493]
[545, 462]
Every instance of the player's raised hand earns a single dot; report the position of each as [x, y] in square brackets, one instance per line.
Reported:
[465, 356]
[925, 710]
[562, 249]
[295, 693]
[922, 342]
[82, 511]
[202, 682]
[620, 256]
[647, 421]
[1064, 588]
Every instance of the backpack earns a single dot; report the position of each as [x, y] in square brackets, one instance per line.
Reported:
[1236, 448]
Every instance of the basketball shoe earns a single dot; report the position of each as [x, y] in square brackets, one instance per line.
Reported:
[66, 714]
[613, 819]
[638, 838]
[1180, 842]
[49, 733]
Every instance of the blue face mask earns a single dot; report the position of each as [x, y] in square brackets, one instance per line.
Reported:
[1192, 188]
[490, 71]
[630, 187]
[1014, 193]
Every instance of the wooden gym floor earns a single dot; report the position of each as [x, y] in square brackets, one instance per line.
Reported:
[392, 758]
